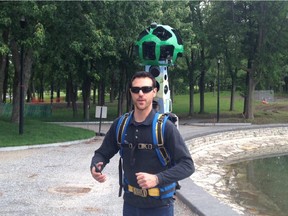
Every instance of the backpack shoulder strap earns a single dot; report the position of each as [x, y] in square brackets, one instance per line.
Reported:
[122, 127]
[158, 130]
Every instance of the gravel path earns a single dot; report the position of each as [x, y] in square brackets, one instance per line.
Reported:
[56, 181]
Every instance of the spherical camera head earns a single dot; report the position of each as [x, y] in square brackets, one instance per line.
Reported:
[159, 45]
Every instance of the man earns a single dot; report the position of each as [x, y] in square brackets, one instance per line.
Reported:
[143, 172]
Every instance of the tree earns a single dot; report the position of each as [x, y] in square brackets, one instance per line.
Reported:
[132, 18]
[224, 37]
[264, 31]
[198, 18]
[4, 48]
[30, 37]
[75, 46]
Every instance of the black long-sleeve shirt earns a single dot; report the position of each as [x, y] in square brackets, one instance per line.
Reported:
[147, 160]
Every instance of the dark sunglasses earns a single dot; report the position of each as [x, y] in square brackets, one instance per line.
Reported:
[144, 89]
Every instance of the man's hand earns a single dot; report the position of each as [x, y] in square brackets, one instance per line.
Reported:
[96, 173]
[146, 180]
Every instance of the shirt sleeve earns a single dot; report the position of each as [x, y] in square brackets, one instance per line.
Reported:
[182, 165]
[108, 148]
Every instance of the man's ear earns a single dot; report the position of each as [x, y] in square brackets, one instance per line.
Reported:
[155, 90]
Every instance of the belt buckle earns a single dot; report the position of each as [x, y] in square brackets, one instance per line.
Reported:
[145, 146]
[140, 192]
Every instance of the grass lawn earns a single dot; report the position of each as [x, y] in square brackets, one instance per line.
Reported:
[38, 131]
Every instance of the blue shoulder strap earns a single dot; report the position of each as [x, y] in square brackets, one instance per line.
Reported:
[121, 128]
[158, 130]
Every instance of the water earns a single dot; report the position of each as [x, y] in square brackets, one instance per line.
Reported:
[261, 186]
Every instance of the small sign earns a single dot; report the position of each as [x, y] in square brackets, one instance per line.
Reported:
[101, 112]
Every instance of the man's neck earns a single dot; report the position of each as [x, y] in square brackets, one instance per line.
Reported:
[141, 115]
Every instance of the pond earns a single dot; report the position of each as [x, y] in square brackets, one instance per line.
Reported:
[261, 186]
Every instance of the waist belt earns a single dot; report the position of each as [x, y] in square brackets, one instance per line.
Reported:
[154, 192]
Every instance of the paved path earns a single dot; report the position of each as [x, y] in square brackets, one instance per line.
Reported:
[55, 180]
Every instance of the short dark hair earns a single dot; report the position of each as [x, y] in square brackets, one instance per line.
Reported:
[143, 74]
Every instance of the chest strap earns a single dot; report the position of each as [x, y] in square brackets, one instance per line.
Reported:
[141, 146]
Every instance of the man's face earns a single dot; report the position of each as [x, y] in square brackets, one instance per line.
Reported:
[142, 93]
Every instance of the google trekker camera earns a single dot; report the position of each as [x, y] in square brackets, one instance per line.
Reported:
[158, 47]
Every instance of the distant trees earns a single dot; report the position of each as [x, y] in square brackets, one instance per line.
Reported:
[90, 45]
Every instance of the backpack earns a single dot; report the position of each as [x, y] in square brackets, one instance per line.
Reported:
[158, 132]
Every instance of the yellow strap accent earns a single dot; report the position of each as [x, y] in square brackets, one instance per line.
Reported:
[161, 134]
[154, 192]
[144, 192]
[156, 129]
[161, 146]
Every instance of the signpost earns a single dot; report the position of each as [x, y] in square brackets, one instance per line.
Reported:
[101, 112]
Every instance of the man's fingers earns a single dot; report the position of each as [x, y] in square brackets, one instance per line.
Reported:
[146, 180]
[98, 167]
[98, 176]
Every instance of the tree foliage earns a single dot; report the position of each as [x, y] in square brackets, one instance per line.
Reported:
[89, 45]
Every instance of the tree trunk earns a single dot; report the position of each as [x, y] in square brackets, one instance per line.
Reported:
[3, 60]
[253, 65]
[249, 114]
[72, 94]
[58, 95]
[190, 63]
[202, 82]
[127, 99]
[191, 99]
[74, 99]
[68, 93]
[41, 90]
[94, 92]
[121, 90]
[202, 91]
[52, 92]
[112, 90]
[101, 92]
[86, 87]
[26, 77]
[3, 64]
[5, 83]
[120, 102]
[233, 89]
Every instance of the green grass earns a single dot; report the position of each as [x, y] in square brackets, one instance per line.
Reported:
[272, 113]
[36, 131]
[180, 103]
[61, 113]
[180, 106]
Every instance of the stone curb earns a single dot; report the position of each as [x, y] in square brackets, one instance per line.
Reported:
[194, 196]
[202, 203]
[16, 148]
